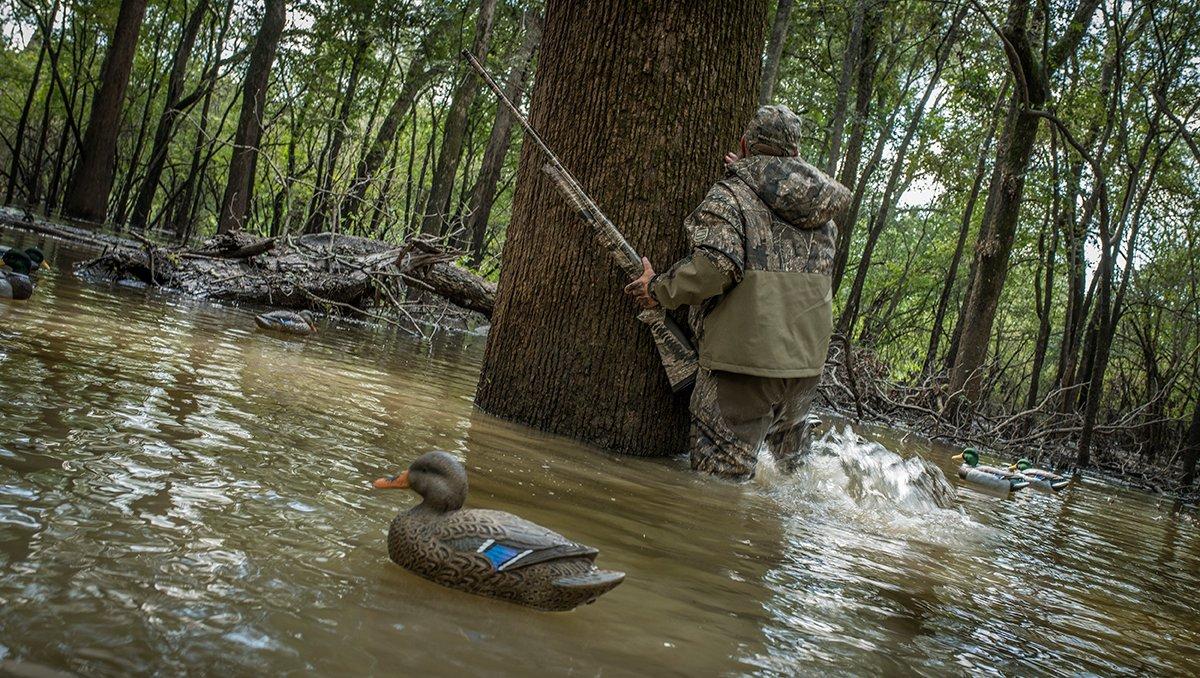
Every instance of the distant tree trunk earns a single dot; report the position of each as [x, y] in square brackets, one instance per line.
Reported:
[456, 124]
[890, 194]
[995, 242]
[770, 69]
[14, 172]
[236, 202]
[650, 89]
[964, 229]
[497, 147]
[166, 121]
[341, 124]
[416, 77]
[868, 60]
[850, 64]
[91, 182]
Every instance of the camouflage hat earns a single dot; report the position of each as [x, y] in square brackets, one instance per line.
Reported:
[775, 130]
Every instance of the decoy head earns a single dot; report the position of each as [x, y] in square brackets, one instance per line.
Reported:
[308, 318]
[437, 476]
[18, 262]
[1022, 464]
[37, 258]
[969, 456]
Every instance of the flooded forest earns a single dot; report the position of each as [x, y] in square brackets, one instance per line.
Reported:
[1016, 272]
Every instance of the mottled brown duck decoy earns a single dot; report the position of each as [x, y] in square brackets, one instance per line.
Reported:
[289, 322]
[490, 553]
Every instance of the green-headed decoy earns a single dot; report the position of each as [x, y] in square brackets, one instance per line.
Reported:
[490, 553]
[1039, 478]
[15, 282]
[289, 322]
[993, 478]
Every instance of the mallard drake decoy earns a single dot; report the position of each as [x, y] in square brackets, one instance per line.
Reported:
[15, 283]
[287, 321]
[490, 553]
[990, 477]
[1039, 478]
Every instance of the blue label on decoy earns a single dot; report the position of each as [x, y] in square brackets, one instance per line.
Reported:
[499, 554]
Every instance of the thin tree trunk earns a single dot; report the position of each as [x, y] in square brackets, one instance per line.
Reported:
[235, 204]
[341, 124]
[964, 229]
[166, 121]
[498, 144]
[1191, 450]
[994, 245]
[868, 61]
[14, 172]
[559, 310]
[456, 124]
[770, 69]
[417, 76]
[851, 59]
[90, 184]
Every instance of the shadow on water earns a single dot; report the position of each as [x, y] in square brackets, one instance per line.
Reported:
[180, 490]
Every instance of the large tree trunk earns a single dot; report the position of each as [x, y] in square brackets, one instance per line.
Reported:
[236, 202]
[640, 98]
[770, 69]
[90, 184]
[456, 125]
[166, 121]
[497, 147]
[1191, 450]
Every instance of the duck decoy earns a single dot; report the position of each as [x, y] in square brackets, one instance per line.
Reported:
[486, 552]
[289, 322]
[1039, 478]
[15, 283]
[38, 261]
[990, 477]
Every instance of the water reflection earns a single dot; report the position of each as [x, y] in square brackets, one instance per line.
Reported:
[179, 490]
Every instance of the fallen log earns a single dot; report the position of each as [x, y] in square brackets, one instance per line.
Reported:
[306, 272]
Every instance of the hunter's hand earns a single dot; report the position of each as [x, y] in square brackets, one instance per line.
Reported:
[639, 288]
[731, 158]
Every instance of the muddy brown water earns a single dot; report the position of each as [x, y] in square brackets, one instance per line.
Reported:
[179, 492]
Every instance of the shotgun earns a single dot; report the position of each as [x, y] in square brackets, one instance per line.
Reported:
[678, 356]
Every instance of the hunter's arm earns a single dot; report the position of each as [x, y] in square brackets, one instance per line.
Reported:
[702, 274]
[716, 262]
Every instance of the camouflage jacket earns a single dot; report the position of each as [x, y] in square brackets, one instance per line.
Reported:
[758, 276]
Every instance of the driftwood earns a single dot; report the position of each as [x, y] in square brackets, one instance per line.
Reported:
[316, 271]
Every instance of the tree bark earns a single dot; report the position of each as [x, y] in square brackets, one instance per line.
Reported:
[91, 182]
[770, 69]
[235, 204]
[650, 89]
[456, 124]
[1191, 451]
[497, 147]
[166, 121]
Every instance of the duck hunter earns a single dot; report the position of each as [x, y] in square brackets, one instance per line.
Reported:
[758, 284]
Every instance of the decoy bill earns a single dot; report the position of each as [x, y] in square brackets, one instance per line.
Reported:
[486, 552]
